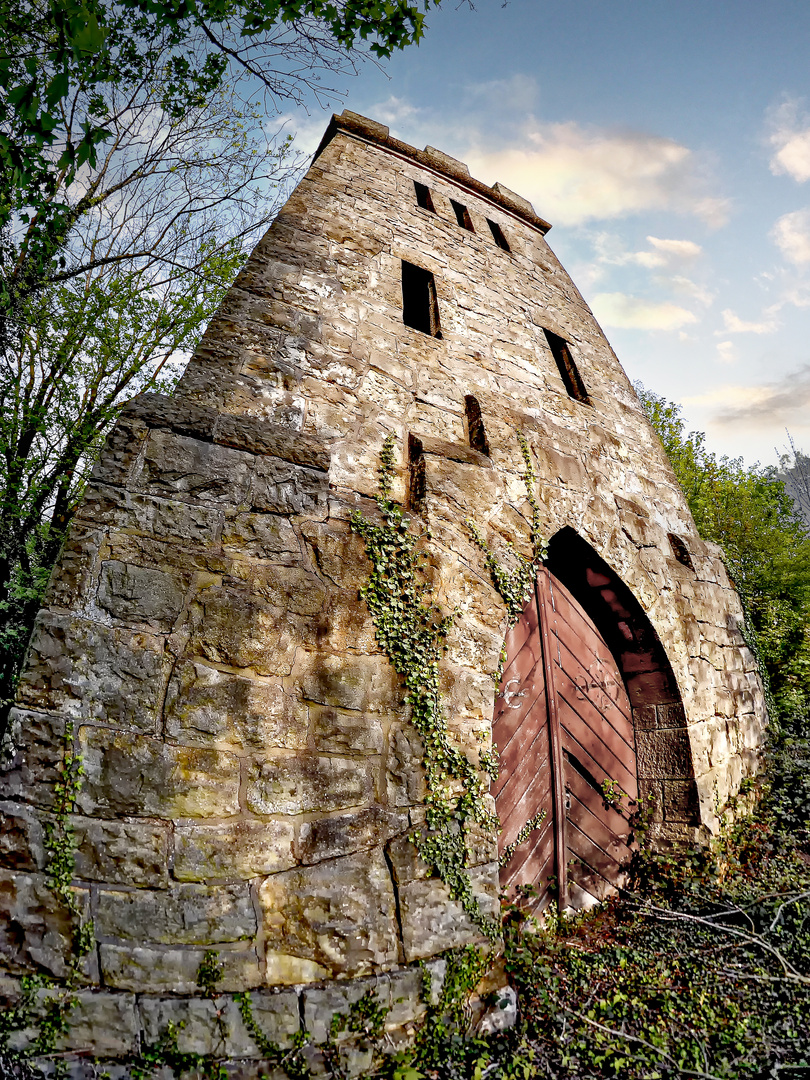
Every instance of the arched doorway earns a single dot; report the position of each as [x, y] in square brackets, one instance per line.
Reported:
[564, 730]
[588, 708]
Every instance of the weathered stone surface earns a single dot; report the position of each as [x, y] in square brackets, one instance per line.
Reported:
[233, 850]
[184, 915]
[405, 773]
[22, 843]
[89, 671]
[36, 929]
[107, 1022]
[216, 1027]
[301, 783]
[121, 852]
[283, 488]
[128, 774]
[216, 708]
[343, 834]
[432, 922]
[663, 753]
[31, 755]
[345, 732]
[165, 970]
[141, 595]
[263, 536]
[339, 914]
[321, 1004]
[239, 631]
[179, 467]
[348, 682]
[150, 515]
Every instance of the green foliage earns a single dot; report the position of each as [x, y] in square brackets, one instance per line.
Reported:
[412, 632]
[291, 1061]
[522, 836]
[766, 544]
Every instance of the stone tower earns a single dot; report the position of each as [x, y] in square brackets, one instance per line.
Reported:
[251, 774]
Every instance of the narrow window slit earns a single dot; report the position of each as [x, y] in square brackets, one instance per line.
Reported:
[420, 309]
[497, 235]
[476, 432]
[417, 487]
[462, 215]
[569, 373]
[423, 197]
[680, 551]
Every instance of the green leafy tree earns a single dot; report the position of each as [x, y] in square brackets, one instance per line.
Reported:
[747, 511]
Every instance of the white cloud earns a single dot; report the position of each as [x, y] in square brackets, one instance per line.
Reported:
[575, 174]
[675, 249]
[619, 310]
[780, 403]
[394, 111]
[687, 287]
[726, 352]
[790, 136]
[791, 234]
[733, 324]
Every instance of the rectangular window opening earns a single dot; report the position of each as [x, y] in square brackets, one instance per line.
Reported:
[420, 309]
[462, 215]
[561, 351]
[423, 197]
[497, 235]
[476, 432]
[416, 469]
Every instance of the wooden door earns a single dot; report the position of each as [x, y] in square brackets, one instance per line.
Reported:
[563, 727]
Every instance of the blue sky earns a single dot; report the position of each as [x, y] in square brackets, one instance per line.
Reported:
[668, 143]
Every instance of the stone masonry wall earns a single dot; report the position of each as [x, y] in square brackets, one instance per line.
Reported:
[250, 774]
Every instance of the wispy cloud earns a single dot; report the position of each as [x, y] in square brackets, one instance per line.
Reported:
[780, 403]
[575, 174]
[726, 352]
[622, 311]
[791, 234]
[790, 138]
[733, 324]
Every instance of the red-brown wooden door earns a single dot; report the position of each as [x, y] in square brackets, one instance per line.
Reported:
[563, 726]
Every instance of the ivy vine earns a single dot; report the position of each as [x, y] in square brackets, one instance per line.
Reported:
[412, 632]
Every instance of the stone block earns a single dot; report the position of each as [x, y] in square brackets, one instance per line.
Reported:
[281, 487]
[36, 927]
[22, 844]
[217, 708]
[433, 922]
[232, 850]
[99, 1023]
[121, 852]
[31, 756]
[179, 467]
[120, 455]
[286, 587]
[131, 774]
[364, 683]
[94, 672]
[241, 631]
[73, 576]
[664, 754]
[681, 801]
[321, 1004]
[272, 440]
[141, 595]
[263, 536]
[345, 732]
[340, 915]
[331, 837]
[183, 915]
[340, 554]
[405, 773]
[165, 970]
[304, 783]
[150, 515]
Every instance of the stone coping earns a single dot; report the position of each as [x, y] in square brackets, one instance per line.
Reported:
[362, 127]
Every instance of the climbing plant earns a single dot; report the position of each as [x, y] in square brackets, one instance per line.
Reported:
[412, 632]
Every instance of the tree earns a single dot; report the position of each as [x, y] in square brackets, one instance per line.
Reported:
[137, 165]
[794, 471]
[766, 544]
